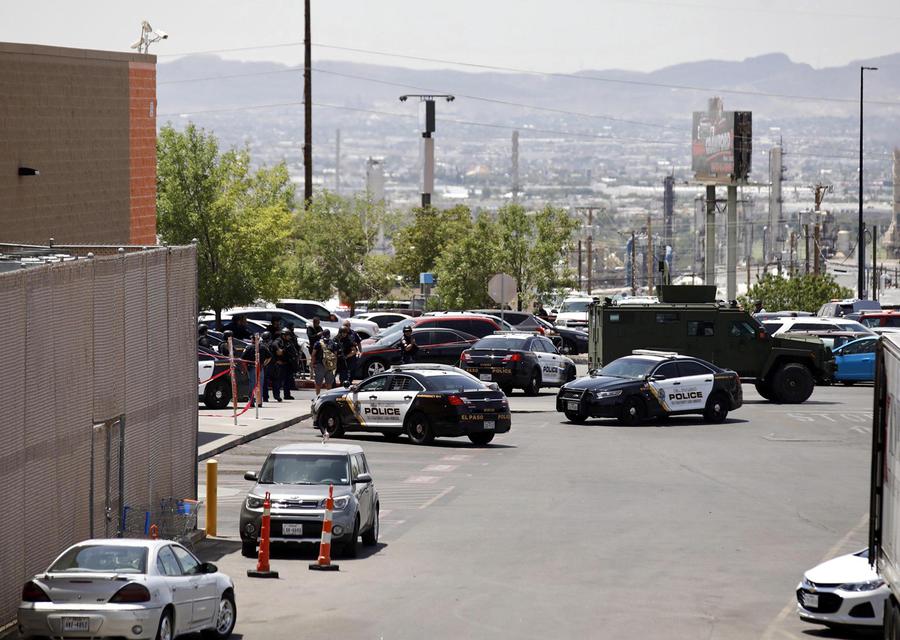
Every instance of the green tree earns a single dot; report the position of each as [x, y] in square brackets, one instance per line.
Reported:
[333, 250]
[532, 248]
[466, 265]
[800, 293]
[240, 218]
[418, 245]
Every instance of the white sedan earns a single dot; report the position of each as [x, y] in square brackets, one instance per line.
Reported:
[127, 588]
[844, 591]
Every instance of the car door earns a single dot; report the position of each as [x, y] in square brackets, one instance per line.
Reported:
[664, 383]
[372, 493]
[205, 598]
[367, 400]
[857, 361]
[556, 364]
[396, 399]
[425, 340]
[695, 382]
[447, 345]
[181, 587]
[361, 490]
[548, 370]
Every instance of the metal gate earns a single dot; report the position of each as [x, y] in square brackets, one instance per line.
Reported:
[107, 477]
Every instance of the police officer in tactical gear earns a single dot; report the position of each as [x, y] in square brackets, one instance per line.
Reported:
[285, 356]
[408, 346]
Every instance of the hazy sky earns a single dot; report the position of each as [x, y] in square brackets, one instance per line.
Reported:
[551, 35]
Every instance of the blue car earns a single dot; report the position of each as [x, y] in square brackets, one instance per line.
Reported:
[856, 361]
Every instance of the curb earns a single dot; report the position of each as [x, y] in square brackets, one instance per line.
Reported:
[249, 437]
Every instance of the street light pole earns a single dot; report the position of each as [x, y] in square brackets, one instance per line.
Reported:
[860, 238]
[428, 143]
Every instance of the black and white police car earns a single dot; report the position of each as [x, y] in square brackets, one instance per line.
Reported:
[652, 384]
[518, 359]
[423, 401]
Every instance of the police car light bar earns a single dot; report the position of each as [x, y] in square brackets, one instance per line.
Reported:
[653, 352]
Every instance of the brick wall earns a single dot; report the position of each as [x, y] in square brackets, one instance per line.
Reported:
[68, 114]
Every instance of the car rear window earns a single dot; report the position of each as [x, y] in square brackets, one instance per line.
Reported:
[102, 559]
[500, 343]
[453, 382]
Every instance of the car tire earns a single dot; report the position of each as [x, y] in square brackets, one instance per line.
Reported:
[569, 348]
[482, 438]
[350, 548]
[793, 383]
[370, 537]
[248, 549]
[375, 366]
[632, 413]
[507, 391]
[575, 417]
[763, 389]
[533, 387]
[418, 428]
[716, 408]
[571, 374]
[226, 618]
[330, 423]
[217, 394]
[166, 628]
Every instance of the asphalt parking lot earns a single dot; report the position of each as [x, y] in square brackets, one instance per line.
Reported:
[678, 530]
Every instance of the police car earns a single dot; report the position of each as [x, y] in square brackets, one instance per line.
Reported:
[518, 359]
[652, 384]
[423, 401]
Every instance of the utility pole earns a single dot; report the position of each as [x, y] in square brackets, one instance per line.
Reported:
[792, 271]
[427, 142]
[819, 191]
[874, 263]
[860, 241]
[307, 109]
[580, 277]
[709, 265]
[648, 255]
[633, 270]
[806, 249]
[816, 270]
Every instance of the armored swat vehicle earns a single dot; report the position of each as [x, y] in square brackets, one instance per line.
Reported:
[687, 320]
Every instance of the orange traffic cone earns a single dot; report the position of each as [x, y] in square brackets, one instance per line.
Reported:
[324, 561]
[262, 563]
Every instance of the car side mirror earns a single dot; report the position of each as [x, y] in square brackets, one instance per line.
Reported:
[553, 312]
[364, 478]
[251, 475]
[208, 567]
[354, 389]
[493, 386]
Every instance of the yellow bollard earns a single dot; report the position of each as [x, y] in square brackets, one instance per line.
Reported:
[212, 490]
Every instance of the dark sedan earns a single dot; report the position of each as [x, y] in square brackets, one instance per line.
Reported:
[436, 346]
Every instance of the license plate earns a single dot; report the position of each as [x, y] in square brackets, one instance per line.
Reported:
[485, 376]
[76, 624]
[289, 529]
[573, 406]
[811, 600]
[489, 424]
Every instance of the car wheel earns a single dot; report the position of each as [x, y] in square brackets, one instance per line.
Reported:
[764, 390]
[418, 427]
[350, 547]
[569, 348]
[507, 391]
[794, 383]
[248, 549]
[217, 394]
[632, 413]
[225, 618]
[481, 439]
[166, 629]
[375, 367]
[716, 408]
[575, 417]
[330, 423]
[534, 384]
[571, 374]
[370, 537]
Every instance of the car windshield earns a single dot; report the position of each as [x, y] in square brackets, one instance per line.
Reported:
[854, 326]
[284, 468]
[102, 559]
[629, 367]
[574, 306]
[454, 382]
[501, 343]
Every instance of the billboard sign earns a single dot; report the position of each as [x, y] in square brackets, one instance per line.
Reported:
[721, 144]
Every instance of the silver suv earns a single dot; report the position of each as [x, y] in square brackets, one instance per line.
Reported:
[297, 477]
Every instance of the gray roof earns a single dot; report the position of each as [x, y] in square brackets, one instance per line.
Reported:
[318, 448]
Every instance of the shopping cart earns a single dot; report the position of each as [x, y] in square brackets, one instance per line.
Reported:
[173, 519]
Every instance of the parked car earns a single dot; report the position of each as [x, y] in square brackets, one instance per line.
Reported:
[436, 346]
[840, 308]
[127, 588]
[573, 312]
[259, 318]
[568, 340]
[880, 319]
[855, 361]
[523, 360]
[383, 319]
[843, 592]
[833, 339]
[784, 325]
[297, 477]
[310, 309]
[474, 324]
[216, 393]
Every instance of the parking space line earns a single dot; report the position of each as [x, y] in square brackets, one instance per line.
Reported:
[421, 479]
[441, 467]
[459, 457]
[430, 502]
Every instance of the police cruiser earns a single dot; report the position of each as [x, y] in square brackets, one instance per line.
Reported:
[518, 359]
[652, 384]
[423, 401]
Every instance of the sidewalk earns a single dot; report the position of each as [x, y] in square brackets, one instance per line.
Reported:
[217, 432]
